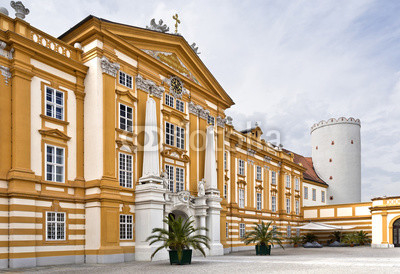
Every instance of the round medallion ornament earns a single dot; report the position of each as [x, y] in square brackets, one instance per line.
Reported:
[176, 86]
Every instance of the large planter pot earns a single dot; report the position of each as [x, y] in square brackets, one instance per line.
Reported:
[186, 257]
[263, 250]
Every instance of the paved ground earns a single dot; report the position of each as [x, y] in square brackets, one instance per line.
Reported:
[291, 260]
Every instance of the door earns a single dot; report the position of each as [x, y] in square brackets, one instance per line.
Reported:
[396, 233]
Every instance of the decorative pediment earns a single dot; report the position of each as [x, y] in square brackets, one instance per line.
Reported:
[55, 206]
[259, 188]
[126, 145]
[175, 153]
[241, 183]
[55, 133]
[172, 60]
[174, 113]
[126, 93]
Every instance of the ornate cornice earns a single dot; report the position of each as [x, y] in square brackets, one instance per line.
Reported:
[198, 110]
[5, 71]
[109, 67]
[149, 86]
[5, 53]
[251, 152]
[221, 121]
[204, 113]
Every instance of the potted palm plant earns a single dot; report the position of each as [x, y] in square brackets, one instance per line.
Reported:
[295, 240]
[263, 237]
[309, 238]
[363, 237]
[351, 239]
[336, 236]
[178, 238]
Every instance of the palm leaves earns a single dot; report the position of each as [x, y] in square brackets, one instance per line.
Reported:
[180, 234]
[363, 237]
[262, 235]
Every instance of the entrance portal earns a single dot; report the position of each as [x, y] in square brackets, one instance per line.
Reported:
[396, 233]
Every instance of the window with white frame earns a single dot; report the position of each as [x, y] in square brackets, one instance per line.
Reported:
[227, 230]
[169, 134]
[241, 198]
[169, 100]
[289, 231]
[170, 175]
[322, 196]
[259, 173]
[297, 207]
[259, 201]
[242, 230]
[241, 167]
[210, 120]
[314, 194]
[125, 118]
[55, 164]
[297, 183]
[180, 105]
[125, 170]
[273, 203]
[273, 177]
[55, 226]
[125, 227]
[306, 193]
[180, 178]
[225, 160]
[125, 79]
[180, 137]
[54, 103]
[288, 181]
[288, 205]
[225, 191]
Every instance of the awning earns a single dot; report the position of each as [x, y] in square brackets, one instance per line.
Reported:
[322, 226]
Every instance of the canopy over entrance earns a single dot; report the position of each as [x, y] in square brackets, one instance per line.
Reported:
[322, 226]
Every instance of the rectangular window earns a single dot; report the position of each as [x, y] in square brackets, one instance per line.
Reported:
[273, 203]
[125, 118]
[169, 100]
[180, 178]
[54, 103]
[225, 160]
[180, 105]
[273, 177]
[55, 226]
[314, 194]
[259, 173]
[259, 201]
[225, 191]
[242, 230]
[125, 79]
[55, 164]
[288, 205]
[125, 227]
[241, 167]
[227, 230]
[274, 227]
[170, 175]
[169, 134]
[306, 193]
[288, 181]
[210, 120]
[322, 196]
[289, 231]
[180, 137]
[298, 232]
[297, 207]
[125, 170]
[297, 182]
[241, 198]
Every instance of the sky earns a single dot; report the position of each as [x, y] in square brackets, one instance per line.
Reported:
[286, 64]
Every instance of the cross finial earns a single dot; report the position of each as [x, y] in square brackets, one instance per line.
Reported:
[177, 21]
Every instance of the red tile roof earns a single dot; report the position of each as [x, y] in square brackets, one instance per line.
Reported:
[310, 173]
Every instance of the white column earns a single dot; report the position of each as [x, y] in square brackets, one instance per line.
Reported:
[149, 193]
[213, 195]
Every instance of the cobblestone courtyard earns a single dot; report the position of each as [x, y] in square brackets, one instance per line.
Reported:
[290, 260]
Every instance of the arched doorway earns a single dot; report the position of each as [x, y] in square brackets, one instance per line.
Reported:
[176, 214]
[396, 233]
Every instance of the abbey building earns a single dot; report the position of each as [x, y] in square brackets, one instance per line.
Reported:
[109, 128]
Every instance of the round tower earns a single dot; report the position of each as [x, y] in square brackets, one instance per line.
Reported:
[336, 156]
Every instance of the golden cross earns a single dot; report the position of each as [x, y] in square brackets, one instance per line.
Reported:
[177, 21]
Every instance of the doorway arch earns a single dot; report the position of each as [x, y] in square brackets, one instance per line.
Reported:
[396, 233]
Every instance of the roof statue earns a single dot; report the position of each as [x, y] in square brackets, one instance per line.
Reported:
[20, 10]
[160, 27]
[194, 48]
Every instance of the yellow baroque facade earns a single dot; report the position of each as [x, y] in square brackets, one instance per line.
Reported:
[72, 137]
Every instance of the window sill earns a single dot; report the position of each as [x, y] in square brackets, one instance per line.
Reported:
[54, 120]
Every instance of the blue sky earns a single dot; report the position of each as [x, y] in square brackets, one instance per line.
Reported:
[286, 64]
